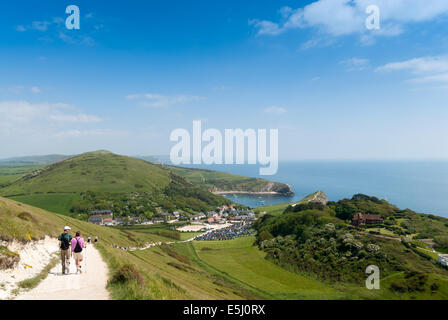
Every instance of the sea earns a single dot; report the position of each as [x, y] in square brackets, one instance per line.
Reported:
[421, 186]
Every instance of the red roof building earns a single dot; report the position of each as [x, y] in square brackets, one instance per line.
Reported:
[360, 219]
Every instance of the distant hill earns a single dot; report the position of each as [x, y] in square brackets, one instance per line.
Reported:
[222, 182]
[33, 160]
[157, 159]
[103, 180]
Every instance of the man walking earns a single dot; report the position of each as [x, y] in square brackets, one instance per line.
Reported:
[64, 243]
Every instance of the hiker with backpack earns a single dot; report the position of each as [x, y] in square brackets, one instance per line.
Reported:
[77, 247]
[64, 244]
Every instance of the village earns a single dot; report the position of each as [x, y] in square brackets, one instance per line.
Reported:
[221, 216]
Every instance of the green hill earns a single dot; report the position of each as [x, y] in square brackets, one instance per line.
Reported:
[162, 273]
[225, 270]
[222, 182]
[316, 239]
[102, 180]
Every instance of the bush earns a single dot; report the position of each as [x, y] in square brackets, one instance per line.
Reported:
[265, 235]
[413, 281]
[398, 286]
[127, 273]
[26, 216]
[435, 287]
[8, 259]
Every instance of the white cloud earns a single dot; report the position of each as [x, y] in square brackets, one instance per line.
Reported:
[356, 64]
[19, 116]
[158, 100]
[345, 17]
[76, 118]
[427, 69]
[22, 89]
[438, 78]
[40, 25]
[57, 30]
[35, 90]
[419, 65]
[275, 109]
[84, 133]
[221, 88]
[266, 27]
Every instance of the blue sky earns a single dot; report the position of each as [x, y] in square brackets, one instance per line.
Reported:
[135, 71]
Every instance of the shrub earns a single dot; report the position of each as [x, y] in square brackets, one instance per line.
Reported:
[27, 217]
[435, 287]
[8, 259]
[265, 235]
[413, 281]
[127, 273]
[398, 286]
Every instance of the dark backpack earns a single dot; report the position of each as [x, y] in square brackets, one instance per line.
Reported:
[65, 242]
[78, 248]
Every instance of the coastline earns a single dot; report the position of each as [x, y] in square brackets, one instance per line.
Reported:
[253, 193]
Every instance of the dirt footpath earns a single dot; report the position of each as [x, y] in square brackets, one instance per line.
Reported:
[90, 285]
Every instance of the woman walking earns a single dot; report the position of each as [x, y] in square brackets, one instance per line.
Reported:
[77, 247]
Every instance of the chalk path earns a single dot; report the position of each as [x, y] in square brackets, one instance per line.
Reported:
[90, 285]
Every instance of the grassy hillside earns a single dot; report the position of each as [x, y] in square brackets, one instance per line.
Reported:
[94, 171]
[240, 260]
[10, 174]
[317, 240]
[157, 273]
[102, 180]
[215, 181]
[237, 269]
[278, 209]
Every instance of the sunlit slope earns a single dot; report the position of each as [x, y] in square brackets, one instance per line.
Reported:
[156, 273]
[216, 181]
[94, 171]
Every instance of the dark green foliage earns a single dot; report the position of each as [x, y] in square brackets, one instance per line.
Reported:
[345, 209]
[331, 252]
[306, 206]
[435, 287]
[441, 244]
[413, 281]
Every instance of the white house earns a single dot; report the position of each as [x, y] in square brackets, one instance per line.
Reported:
[443, 259]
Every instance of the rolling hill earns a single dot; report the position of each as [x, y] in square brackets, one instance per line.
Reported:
[161, 272]
[221, 182]
[103, 180]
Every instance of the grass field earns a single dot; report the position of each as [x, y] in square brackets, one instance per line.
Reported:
[10, 174]
[189, 235]
[274, 210]
[240, 260]
[59, 203]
